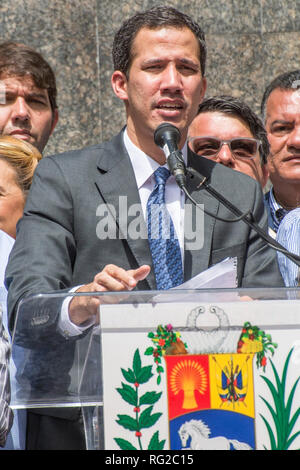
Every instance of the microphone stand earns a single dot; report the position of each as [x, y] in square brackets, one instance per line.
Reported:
[248, 217]
[167, 136]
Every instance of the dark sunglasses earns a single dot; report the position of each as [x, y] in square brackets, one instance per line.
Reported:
[209, 147]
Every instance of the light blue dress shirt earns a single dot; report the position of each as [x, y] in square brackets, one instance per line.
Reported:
[288, 235]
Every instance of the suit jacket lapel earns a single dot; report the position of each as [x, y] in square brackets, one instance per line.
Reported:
[117, 185]
[197, 255]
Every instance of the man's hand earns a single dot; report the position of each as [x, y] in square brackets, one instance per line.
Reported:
[112, 278]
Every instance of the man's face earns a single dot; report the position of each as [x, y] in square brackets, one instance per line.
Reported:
[283, 127]
[227, 127]
[165, 83]
[25, 111]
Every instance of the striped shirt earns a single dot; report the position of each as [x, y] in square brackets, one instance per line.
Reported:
[6, 414]
[289, 236]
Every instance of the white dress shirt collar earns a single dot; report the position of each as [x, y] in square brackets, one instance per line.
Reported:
[143, 165]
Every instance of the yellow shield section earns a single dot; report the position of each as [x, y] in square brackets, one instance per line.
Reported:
[231, 383]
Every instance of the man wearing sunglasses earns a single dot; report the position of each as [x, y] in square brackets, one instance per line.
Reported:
[227, 131]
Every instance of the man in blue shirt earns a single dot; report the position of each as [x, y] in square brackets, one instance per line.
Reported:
[280, 109]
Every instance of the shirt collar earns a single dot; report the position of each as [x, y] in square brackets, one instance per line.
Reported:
[143, 165]
[275, 205]
[277, 211]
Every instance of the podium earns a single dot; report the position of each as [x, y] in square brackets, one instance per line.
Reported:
[172, 370]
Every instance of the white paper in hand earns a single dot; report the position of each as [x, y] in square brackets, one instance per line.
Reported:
[220, 276]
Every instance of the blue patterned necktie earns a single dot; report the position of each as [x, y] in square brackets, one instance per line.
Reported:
[164, 245]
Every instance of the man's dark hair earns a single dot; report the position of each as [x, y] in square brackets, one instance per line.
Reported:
[238, 108]
[19, 60]
[155, 18]
[285, 81]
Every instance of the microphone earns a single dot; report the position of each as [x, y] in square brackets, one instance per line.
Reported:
[167, 137]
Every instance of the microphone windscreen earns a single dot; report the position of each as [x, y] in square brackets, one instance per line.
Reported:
[166, 132]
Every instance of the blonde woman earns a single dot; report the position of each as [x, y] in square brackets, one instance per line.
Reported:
[18, 160]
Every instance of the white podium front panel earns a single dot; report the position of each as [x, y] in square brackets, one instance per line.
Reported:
[207, 369]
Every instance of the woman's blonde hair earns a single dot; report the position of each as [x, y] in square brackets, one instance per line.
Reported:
[22, 157]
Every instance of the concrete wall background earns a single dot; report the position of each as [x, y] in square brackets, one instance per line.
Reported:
[249, 43]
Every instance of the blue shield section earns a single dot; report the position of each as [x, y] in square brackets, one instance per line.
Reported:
[228, 430]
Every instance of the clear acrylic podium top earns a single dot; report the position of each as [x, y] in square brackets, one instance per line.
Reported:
[53, 369]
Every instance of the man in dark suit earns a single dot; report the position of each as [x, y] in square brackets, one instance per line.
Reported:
[74, 217]
[227, 131]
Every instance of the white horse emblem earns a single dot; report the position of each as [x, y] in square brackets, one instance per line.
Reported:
[199, 433]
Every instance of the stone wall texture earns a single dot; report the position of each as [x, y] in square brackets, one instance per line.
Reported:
[249, 43]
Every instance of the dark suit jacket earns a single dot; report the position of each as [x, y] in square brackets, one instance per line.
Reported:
[57, 245]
